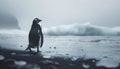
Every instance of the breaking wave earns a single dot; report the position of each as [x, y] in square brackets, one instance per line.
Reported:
[86, 29]
[75, 29]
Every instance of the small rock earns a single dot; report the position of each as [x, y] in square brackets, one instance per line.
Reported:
[54, 47]
[67, 54]
[50, 47]
[95, 40]
[105, 57]
[21, 46]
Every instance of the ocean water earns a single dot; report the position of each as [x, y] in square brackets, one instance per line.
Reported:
[78, 29]
[104, 48]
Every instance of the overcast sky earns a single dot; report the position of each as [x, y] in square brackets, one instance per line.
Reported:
[59, 12]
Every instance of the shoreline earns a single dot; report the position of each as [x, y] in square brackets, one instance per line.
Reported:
[13, 59]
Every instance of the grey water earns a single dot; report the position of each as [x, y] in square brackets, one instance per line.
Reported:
[72, 45]
[85, 47]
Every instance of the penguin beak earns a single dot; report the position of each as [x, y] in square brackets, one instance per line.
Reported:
[39, 21]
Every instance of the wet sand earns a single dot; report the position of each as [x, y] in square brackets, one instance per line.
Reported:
[13, 59]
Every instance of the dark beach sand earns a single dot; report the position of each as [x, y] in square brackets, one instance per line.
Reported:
[24, 60]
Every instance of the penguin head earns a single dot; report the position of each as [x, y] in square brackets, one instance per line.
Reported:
[36, 20]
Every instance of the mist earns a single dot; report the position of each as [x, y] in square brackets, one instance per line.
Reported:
[54, 13]
[8, 21]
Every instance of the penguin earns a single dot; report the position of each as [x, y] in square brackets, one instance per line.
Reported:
[35, 35]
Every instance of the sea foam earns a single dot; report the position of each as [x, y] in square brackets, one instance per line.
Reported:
[78, 29]
[75, 29]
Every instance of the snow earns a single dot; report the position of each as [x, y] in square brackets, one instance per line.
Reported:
[20, 63]
[2, 57]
